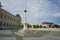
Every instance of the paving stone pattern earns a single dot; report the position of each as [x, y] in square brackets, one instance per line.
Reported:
[6, 35]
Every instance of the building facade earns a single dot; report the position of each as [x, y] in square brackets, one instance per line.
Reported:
[7, 20]
[47, 24]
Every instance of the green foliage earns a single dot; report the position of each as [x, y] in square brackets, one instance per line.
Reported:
[29, 26]
[44, 27]
[21, 26]
[56, 26]
[40, 26]
[36, 26]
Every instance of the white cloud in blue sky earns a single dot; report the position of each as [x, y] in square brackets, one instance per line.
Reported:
[37, 10]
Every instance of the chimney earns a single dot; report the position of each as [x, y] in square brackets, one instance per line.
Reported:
[0, 5]
[17, 15]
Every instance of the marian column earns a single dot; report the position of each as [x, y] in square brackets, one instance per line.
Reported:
[25, 18]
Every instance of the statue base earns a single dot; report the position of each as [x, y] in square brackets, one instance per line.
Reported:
[22, 32]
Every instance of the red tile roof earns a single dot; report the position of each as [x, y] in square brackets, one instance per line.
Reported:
[46, 23]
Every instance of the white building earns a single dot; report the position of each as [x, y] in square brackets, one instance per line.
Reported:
[47, 24]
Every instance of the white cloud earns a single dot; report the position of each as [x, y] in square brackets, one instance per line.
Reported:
[36, 9]
[56, 14]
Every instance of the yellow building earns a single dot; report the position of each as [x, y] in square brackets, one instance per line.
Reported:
[7, 20]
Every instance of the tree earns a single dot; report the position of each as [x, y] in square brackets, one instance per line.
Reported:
[40, 26]
[44, 27]
[56, 26]
[29, 26]
[36, 26]
[21, 25]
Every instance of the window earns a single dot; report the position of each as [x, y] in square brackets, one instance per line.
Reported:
[8, 18]
[1, 15]
[7, 24]
[0, 23]
[4, 17]
[4, 24]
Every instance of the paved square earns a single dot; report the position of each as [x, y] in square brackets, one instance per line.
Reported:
[5, 32]
[7, 38]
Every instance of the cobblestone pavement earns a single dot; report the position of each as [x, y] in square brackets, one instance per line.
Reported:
[52, 35]
[6, 35]
[29, 35]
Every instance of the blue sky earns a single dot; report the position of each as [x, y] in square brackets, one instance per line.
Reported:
[37, 10]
